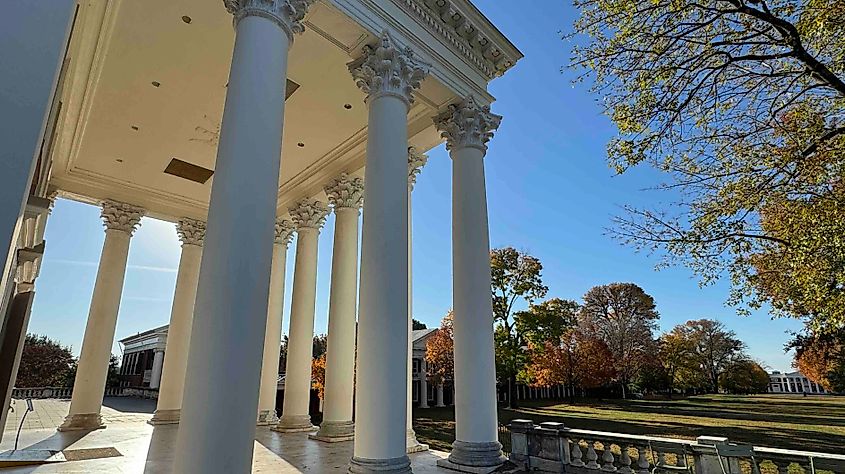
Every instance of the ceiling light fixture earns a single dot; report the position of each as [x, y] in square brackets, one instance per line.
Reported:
[347, 106]
[186, 19]
[156, 83]
[300, 145]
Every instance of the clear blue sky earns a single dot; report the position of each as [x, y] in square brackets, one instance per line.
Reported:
[549, 189]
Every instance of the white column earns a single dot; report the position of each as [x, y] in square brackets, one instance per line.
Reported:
[346, 196]
[308, 216]
[416, 161]
[217, 428]
[388, 75]
[273, 334]
[424, 384]
[467, 127]
[155, 374]
[191, 233]
[120, 220]
[439, 397]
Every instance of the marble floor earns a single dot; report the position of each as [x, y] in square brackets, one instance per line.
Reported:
[150, 450]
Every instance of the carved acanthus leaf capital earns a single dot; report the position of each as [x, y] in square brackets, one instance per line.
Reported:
[191, 231]
[284, 231]
[345, 192]
[288, 14]
[467, 125]
[388, 69]
[309, 214]
[121, 216]
[416, 161]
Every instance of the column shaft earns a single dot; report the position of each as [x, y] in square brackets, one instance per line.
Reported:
[383, 322]
[273, 338]
[178, 337]
[295, 415]
[90, 382]
[411, 443]
[424, 384]
[340, 357]
[155, 374]
[218, 425]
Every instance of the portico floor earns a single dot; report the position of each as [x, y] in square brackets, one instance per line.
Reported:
[150, 450]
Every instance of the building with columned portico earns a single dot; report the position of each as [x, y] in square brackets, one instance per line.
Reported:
[248, 123]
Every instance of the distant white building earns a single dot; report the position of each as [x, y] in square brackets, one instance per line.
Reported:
[793, 382]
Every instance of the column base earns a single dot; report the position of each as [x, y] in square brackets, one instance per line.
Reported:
[400, 465]
[267, 418]
[165, 417]
[82, 422]
[475, 457]
[412, 445]
[334, 431]
[294, 424]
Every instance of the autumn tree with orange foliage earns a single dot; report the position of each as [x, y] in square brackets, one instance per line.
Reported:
[318, 375]
[439, 352]
[579, 361]
[821, 358]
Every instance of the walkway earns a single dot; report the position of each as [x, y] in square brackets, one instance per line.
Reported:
[145, 449]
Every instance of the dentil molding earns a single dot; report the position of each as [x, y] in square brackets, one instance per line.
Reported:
[467, 124]
[121, 216]
[345, 192]
[388, 69]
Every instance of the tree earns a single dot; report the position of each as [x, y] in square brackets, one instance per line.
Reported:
[821, 358]
[318, 375]
[577, 360]
[45, 363]
[439, 352]
[744, 376]
[675, 354]
[740, 103]
[714, 348]
[320, 345]
[546, 321]
[515, 278]
[113, 375]
[624, 317]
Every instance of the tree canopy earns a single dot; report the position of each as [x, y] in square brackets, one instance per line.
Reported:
[439, 352]
[741, 103]
[45, 363]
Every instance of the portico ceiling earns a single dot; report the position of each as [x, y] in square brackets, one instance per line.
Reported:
[145, 83]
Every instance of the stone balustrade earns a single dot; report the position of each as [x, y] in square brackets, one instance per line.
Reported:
[66, 392]
[552, 447]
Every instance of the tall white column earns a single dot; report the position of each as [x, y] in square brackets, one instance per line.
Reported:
[438, 401]
[467, 127]
[424, 384]
[273, 334]
[416, 161]
[388, 75]
[120, 220]
[308, 216]
[155, 373]
[191, 233]
[346, 196]
[217, 428]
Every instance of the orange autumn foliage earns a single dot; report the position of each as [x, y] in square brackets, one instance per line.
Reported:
[578, 360]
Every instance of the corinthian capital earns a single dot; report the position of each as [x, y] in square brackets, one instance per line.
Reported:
[345, 192]
[387, 69]
[121, 216]
[467, 125]
[284, 231]
[288, 14]
[416, 161]
[190, 231]
[309, 214]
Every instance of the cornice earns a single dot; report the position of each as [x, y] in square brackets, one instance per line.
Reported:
[468, 32]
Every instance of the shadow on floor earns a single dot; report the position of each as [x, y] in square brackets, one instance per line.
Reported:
[130, 404]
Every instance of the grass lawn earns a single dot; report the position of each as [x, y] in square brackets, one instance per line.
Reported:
[778, 421]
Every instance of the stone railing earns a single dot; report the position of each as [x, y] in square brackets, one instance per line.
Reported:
[551, 447]
[65, 392]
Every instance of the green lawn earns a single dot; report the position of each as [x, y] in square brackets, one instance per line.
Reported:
[811, 423]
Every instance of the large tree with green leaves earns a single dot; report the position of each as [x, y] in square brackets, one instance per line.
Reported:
[516, 278]
[625, 317]
[45, 363]
[714, 348]
[742, 104]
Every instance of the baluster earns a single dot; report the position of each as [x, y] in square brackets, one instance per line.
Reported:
[642, 460]
[576, 453]
[625, 459]
[592, 457]
[661, 459]
[607, 458]
[782, 466]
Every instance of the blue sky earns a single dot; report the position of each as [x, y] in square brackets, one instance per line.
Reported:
[549, 190]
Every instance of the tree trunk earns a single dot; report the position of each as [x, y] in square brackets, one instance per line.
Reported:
[512, 392]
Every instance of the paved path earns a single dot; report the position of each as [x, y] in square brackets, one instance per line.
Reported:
[50, 413]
